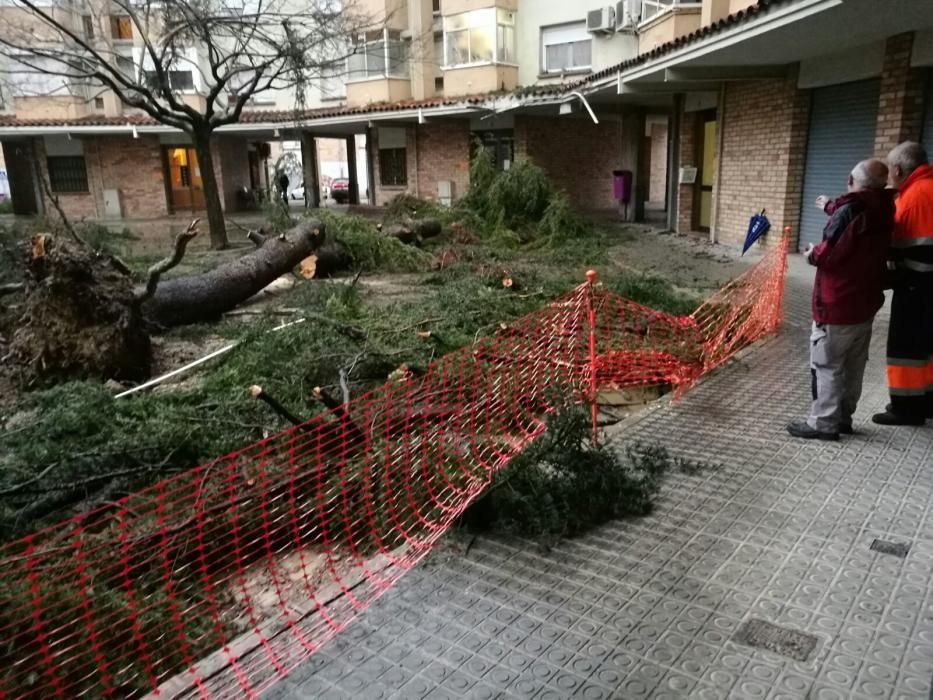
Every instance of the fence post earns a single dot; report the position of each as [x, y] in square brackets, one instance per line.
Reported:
[591, 368]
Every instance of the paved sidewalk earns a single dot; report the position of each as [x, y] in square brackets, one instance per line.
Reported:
[648, 607]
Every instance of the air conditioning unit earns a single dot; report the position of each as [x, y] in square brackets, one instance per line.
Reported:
[601, 21]
[628, 15]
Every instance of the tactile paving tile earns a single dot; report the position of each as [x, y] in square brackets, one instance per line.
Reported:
[648, 607]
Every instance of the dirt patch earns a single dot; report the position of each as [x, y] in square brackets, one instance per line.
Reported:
[689, 262]
[170, 353]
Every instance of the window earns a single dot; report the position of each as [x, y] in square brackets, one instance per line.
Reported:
[126, 67]
[499, 144]
[37, 76]
[436, 6]
[439, 84]
[67, 174]
[332, 85]
[379, 55]
[393, 167]
[480, 36]
[181, 80]
[121, 28]
[98, 103]
[653, 8]
[567, 47]
[88, 26]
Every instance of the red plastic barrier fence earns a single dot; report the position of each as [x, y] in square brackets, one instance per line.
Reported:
[217, 582]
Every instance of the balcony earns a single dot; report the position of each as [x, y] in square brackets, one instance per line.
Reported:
[715, 10]
[390, 13]
[476, 80]
[664, 21]
[378, 70]
[480, 50]
[364, 92]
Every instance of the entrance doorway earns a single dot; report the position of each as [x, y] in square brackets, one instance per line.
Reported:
[655, 172]
[186, 189]
[708, 160]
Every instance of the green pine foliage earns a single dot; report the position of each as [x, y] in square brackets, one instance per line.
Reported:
[564, 484]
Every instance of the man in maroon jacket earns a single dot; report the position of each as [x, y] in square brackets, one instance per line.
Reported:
[847, 293]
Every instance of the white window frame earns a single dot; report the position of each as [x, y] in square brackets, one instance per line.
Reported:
[386, 58]
[663, 7]
[185, 60]
[497, 60]
[565, 34]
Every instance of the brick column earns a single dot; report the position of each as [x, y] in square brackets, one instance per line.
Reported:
[688, 156]
[764, 144]
[900, 107]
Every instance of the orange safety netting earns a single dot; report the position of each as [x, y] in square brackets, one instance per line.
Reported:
[219, 581]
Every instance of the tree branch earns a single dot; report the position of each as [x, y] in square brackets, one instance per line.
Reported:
[61, 212]
[163, 266]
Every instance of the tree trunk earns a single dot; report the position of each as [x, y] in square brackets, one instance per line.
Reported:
[205, 297]
[215, 211]
[412, 231]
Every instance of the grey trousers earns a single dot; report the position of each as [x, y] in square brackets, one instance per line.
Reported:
[838, 355]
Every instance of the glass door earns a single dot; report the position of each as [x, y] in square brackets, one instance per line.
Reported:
[184, 175]
[708, 161]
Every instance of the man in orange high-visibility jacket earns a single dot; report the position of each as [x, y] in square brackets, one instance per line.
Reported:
[910, 337]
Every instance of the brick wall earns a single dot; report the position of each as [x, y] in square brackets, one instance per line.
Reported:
[434, 151]
[900, 107]
[133, 166]
[657, 186]
[763, 156]
[76, 206]
[443, 150]
[578, 155]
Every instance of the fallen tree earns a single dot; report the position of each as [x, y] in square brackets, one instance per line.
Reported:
[84, 316]
[205, 297]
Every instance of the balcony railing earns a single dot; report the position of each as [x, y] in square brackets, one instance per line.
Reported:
[655, 8]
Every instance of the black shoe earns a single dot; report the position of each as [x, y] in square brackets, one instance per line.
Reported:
[846, 429]
[889, 418]
[890, 409]
[802, 429]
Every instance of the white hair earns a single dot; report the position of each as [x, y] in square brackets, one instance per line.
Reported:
[908, 156]
[870, 174]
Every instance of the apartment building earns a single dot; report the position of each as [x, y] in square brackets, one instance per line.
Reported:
[719, 108]
[104, 159]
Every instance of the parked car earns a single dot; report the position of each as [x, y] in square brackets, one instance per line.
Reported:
[340, 190]
[298, 193]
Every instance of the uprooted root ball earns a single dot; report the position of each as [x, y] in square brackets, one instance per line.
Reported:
[79, 319]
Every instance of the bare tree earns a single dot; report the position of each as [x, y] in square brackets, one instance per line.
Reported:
[193, 64]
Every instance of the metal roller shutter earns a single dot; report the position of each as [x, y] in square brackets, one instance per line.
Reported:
[927, 135]
[842, 132]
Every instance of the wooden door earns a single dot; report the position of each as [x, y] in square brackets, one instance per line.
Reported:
[186, 188]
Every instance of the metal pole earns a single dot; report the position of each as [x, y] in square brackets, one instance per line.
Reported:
[591, 319]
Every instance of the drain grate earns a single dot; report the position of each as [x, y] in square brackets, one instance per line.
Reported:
[898, 549]
[780, 640]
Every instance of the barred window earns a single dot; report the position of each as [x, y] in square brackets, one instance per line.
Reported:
[393, 167]
[67, 174]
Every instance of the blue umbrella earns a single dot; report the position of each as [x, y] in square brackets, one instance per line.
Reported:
[757, 227]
